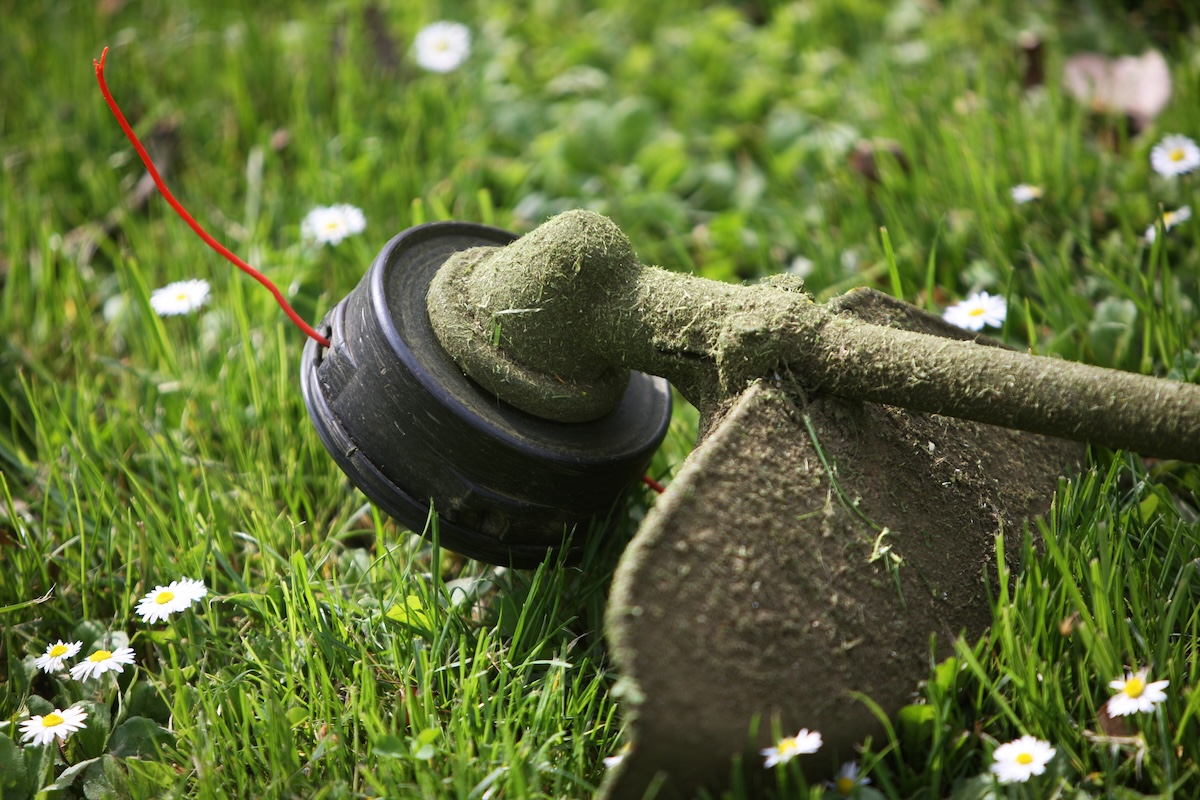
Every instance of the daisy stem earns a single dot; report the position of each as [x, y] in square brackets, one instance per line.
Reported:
[554, 321]
[1165, 745]
[98, 65]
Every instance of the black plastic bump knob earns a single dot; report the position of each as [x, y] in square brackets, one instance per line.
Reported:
[410, 429]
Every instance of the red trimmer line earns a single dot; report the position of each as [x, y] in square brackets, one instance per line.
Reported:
[213, 243]
[189, 219]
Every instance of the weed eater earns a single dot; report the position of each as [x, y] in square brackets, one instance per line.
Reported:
[857, 461]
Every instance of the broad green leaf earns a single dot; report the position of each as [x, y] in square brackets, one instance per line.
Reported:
[94, 736]
[389, 746]
[138, 737]
[104, 781]
[164, 636]
[89, 631]
[946, 673]
[424, 740]
[144, 778]
[916, 715]
[915, 724]
[13, 775]
[68, 776]
[143, 700]
[21, 675]
[981, 787]
[411, 613]
[38, 705]
[1147, 507]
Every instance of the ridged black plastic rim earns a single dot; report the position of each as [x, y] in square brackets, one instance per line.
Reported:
[405, 425]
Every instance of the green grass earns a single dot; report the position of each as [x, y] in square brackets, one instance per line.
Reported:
[135, 450]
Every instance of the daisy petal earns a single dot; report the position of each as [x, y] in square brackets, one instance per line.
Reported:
[1134, 695]
[52, 660]
[442, 46]
[1175, 155]
[332, 224]
[59, 723]
[180, 297]
[162, 602]
[102, 661]
[789, 747]
[1021, 759]
[978, 311]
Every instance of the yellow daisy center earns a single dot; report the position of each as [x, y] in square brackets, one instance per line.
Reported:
[1024, 759]
[50, 720]
[844, 786]
[100, 655]
[1176, 154]
[332, 225]
[1134, 686]
[58, 650]
[786, 746]
[164, 597]
[975, 312]
[181, 296]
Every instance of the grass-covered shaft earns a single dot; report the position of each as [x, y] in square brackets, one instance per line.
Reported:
[568, 304]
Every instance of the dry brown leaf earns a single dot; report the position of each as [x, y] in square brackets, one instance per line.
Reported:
[1033, 51]
[381, 42]
[1114, 727]
[863, 161]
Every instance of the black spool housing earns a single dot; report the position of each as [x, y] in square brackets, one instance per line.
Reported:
[408, 427]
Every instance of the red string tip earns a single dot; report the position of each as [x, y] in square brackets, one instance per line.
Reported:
[653, 484]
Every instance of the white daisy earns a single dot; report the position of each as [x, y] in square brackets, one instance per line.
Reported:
[331, 224]
[1174, 155]
[442, 46]
[1169, 220]
[52, 660]
[1020, 760]
[789, 747]
[613, 761]
[60, 723]
[102, 661]
[801, 266]
[979, 310]
[189, 589]
[1026, 193]
[180, 297]
[1134, 694]
[849, 777]
[162, 602]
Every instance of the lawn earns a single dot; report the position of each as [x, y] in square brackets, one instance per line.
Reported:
[334, 654]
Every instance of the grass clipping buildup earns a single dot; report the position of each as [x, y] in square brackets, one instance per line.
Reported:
[553, 323]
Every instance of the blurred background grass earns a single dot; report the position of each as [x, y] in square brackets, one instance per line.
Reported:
[731, 140]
